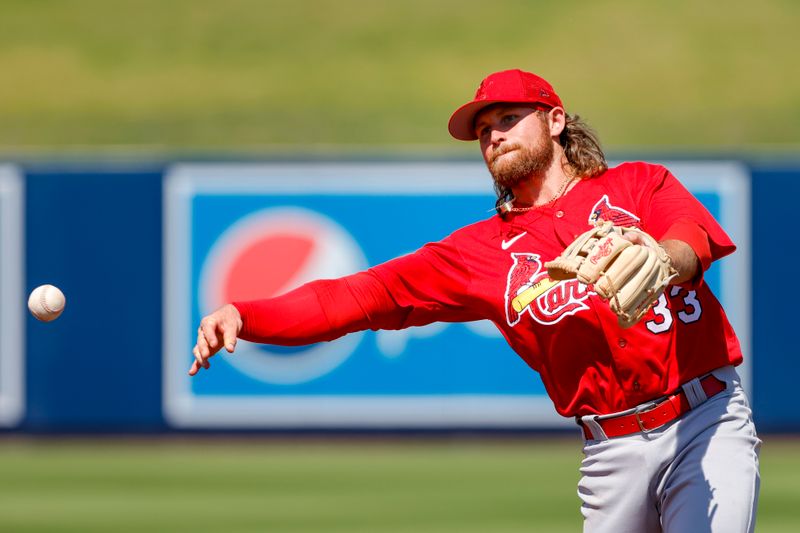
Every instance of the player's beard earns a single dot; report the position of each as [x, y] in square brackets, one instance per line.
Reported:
[520, 162]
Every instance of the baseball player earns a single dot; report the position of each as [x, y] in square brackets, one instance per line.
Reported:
[594, 275]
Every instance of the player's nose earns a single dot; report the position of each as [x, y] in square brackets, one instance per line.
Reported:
[497, 137]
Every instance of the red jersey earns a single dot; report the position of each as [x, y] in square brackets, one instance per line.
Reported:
[494, 270]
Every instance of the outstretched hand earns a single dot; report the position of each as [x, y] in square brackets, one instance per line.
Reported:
[217, 330]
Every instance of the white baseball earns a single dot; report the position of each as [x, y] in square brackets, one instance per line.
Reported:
[46, 302]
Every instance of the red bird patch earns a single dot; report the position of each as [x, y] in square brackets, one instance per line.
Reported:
[603, 210]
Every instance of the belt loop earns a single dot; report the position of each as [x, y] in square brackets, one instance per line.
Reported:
[597, 431]
[727, 374]
[694, 392]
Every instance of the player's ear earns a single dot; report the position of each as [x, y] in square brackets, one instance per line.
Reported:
[556, 121]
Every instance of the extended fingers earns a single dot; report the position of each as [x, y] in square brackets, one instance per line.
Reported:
[203, 350]
[229, 336]
[205, 347]
[217, 330]
[198, 356]
[219, 333]
[210, 329]
[195, 368]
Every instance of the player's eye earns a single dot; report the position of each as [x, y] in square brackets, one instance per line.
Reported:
[508, 119]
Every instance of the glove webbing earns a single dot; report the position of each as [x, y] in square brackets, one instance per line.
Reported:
[649, 302]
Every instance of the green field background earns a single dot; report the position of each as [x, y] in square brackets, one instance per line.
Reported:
[247, 78]
[254, 485]
[155, 76]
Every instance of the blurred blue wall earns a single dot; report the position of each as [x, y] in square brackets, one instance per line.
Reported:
[97, 233]
[776, 191]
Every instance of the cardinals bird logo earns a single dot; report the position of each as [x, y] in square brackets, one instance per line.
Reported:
[603, 210]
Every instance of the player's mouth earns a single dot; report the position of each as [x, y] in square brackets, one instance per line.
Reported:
[497, 155]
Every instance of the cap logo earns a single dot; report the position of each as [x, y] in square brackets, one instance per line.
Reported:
[544, 94]
[481, 93]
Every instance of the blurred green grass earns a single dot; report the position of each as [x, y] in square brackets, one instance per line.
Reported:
[250, 75]
[319, 486]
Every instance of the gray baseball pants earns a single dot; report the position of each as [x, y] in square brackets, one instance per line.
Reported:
[697, 474]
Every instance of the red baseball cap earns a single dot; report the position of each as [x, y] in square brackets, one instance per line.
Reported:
[512, 86]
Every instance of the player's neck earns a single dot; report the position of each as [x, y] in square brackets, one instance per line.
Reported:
[544, 188]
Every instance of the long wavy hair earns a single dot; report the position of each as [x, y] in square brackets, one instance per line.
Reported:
[585, 157]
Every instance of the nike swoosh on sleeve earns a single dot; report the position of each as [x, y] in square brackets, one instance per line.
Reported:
[506, 244]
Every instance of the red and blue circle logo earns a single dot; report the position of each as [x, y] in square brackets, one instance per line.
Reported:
[269, 253]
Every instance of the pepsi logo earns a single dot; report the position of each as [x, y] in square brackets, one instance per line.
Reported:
[269, 253]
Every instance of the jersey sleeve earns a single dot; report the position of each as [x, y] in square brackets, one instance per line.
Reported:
[321, 310]
[431, 285]
[672, 212]
[413, 290]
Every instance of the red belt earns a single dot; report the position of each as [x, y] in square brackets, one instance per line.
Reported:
[655, 416]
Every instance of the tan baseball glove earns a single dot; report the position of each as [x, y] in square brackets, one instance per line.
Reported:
[630, 276]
